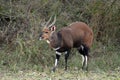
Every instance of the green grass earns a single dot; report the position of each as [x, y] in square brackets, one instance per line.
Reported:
[34, 62]
[60, 75]
[23, 57]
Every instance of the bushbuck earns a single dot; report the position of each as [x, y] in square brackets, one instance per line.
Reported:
[76, 35]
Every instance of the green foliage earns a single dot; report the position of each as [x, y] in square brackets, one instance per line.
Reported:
[20, 27]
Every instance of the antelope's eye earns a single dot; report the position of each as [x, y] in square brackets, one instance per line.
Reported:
[46, 32]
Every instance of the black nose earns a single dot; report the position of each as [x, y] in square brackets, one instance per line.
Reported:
[40, 36]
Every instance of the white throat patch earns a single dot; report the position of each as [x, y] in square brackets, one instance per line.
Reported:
[48, 41]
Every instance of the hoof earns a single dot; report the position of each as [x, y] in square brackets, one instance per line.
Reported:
[53, 70]
[85, 68]
[65, 69]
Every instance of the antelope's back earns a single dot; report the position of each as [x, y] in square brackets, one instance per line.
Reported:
[78, 33]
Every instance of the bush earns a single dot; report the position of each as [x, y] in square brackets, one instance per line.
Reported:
[20, 27]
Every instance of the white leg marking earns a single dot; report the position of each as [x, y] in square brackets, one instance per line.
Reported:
[56, 61]
[58, 53]
[86, 58]
[82, 59]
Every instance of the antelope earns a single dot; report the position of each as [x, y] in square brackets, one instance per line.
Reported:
[76, 35]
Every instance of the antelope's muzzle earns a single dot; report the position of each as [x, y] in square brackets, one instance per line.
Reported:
[40, 38]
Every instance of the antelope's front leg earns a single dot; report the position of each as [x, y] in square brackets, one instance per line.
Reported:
[56, 61]
[66, 58]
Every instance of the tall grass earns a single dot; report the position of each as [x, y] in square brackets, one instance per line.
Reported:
[20, 22]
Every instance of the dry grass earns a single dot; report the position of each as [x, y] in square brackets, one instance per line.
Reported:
[60, 75]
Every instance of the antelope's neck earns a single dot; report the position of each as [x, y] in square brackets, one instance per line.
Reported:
[55, 40]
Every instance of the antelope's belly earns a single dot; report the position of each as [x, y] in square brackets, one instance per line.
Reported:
[62, 49]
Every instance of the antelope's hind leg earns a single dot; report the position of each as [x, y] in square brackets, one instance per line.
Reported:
[84, 62]
[84, 51]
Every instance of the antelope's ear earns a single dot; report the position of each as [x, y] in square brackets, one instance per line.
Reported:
[53, 28]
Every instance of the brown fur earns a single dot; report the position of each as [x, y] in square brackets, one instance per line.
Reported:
[74, 35]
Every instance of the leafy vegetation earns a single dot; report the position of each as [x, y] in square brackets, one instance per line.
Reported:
[20, 25]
